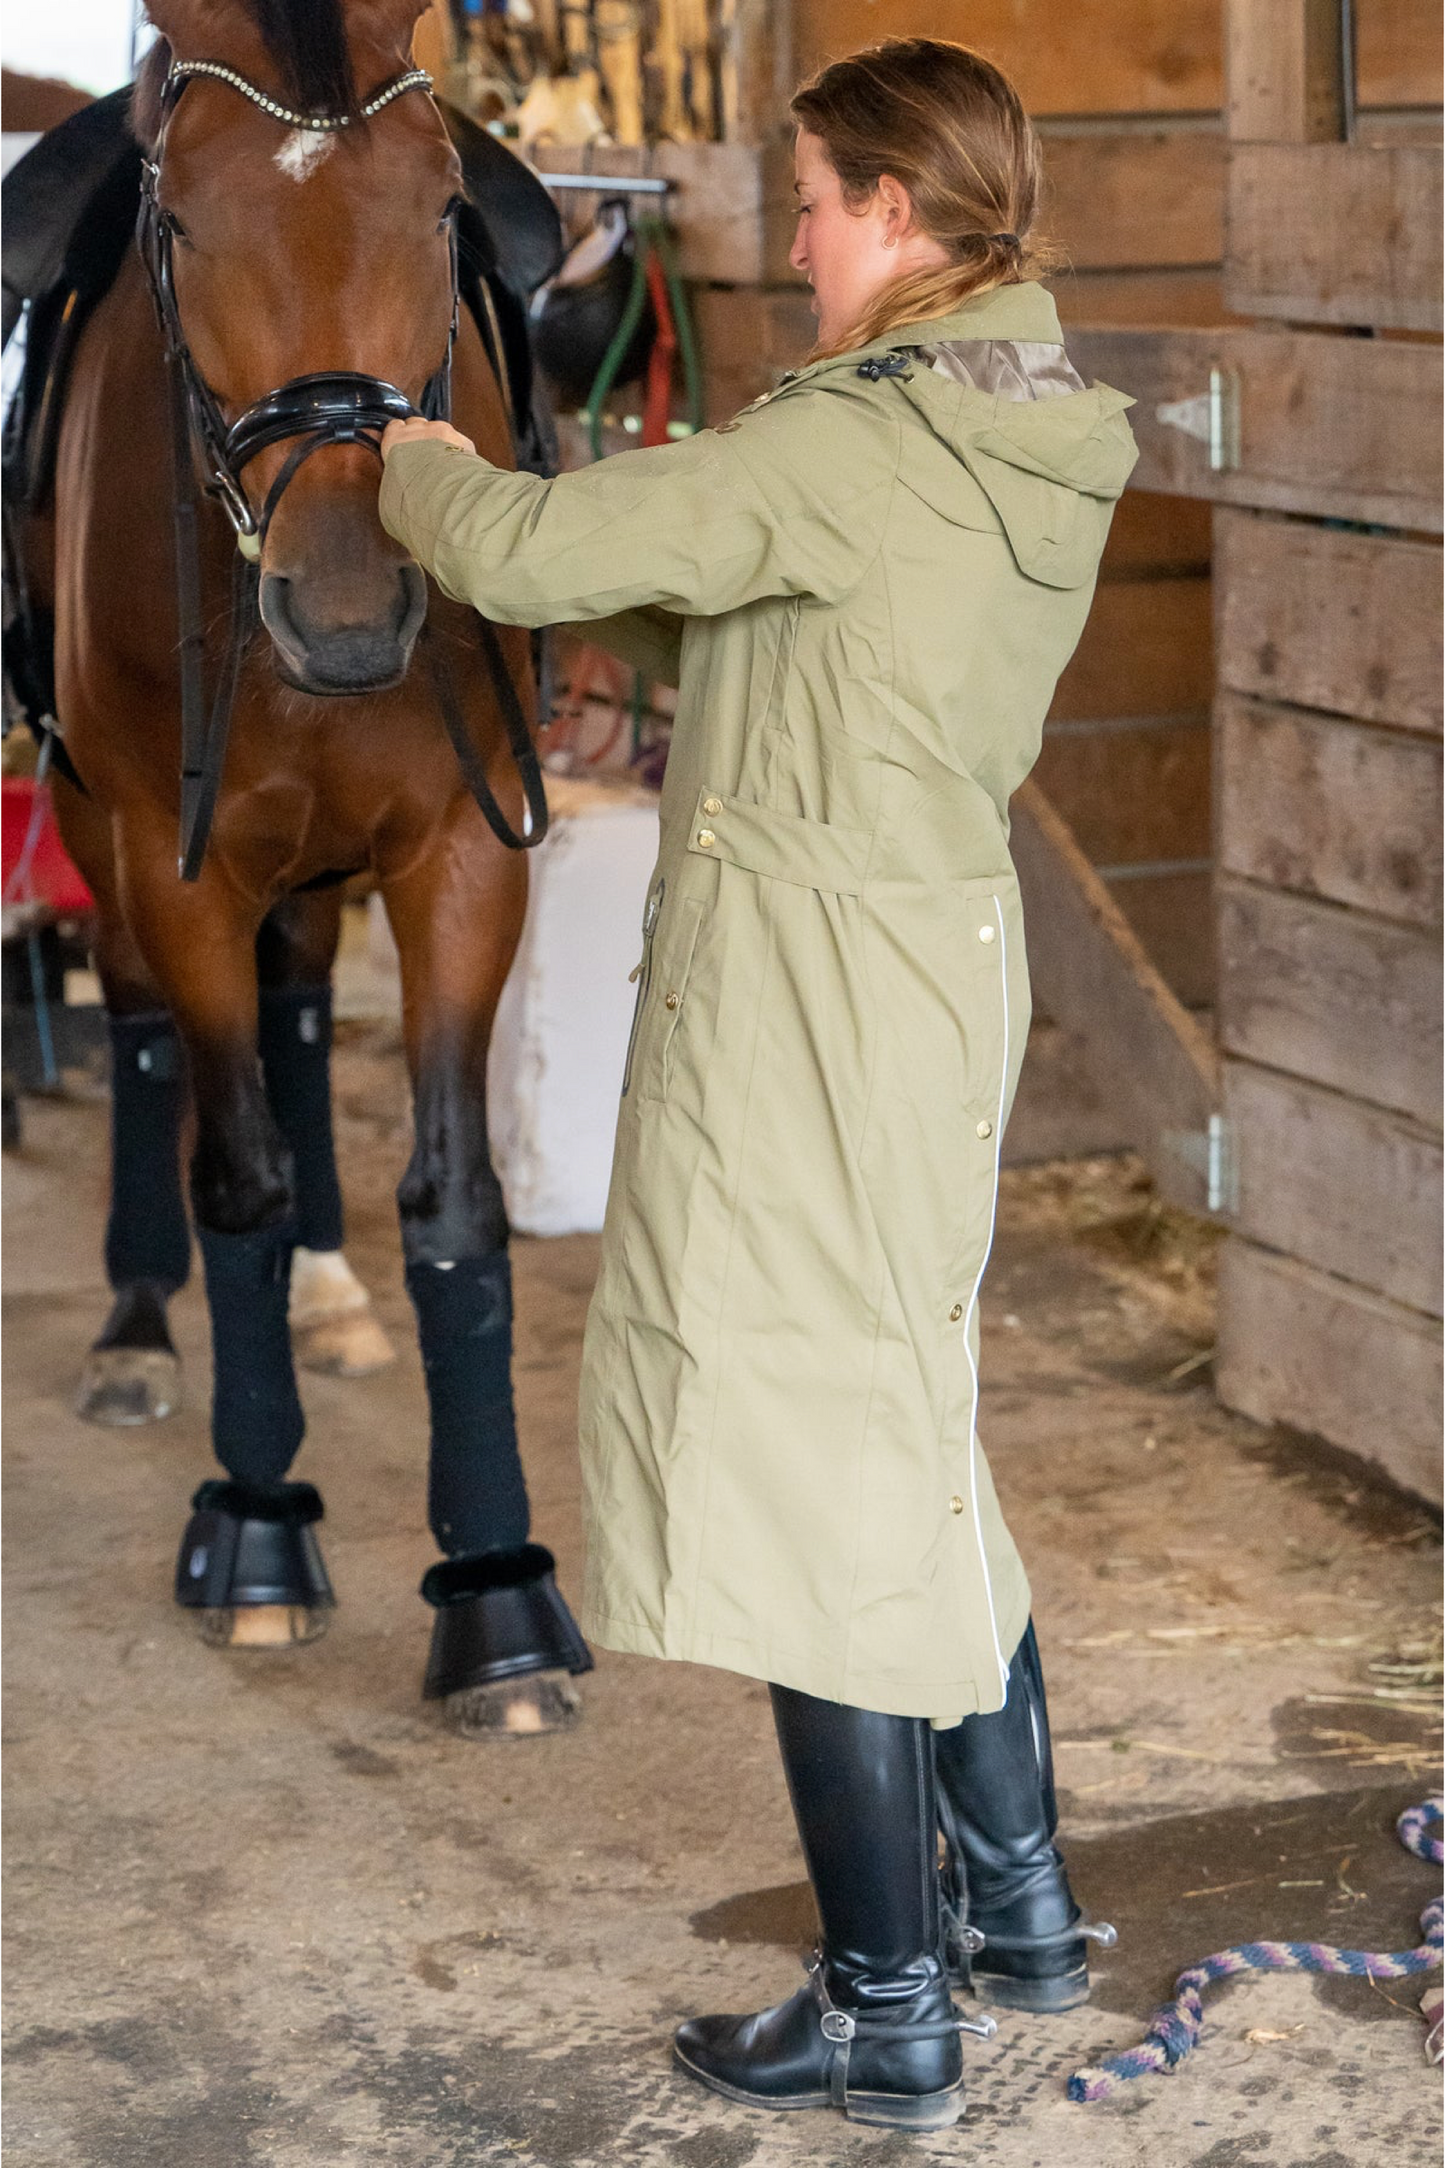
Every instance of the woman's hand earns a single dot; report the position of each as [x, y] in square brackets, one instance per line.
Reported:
[412, 432]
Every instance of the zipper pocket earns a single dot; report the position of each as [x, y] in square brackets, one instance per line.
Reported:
[642, 972]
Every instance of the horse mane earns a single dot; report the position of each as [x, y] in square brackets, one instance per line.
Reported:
[307, 40]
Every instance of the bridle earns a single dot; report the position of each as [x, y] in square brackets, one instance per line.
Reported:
[340, 406]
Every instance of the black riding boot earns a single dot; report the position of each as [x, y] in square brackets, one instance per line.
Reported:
[1012, 1930]
[874, 2032]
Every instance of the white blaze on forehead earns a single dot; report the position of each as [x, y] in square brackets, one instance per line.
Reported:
[303, 151]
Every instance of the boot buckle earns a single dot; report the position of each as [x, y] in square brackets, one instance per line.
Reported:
[838, 2026]
[970, 1940]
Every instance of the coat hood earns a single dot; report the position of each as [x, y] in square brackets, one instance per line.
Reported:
[1051, 468]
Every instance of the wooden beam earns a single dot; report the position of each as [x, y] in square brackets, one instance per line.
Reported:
[1092, 975]
[1171, 912]
[1399, 58]
[1172, 300]
[1096, 182]
[1329, 808]
[1302, 1347]
[1328, 233]
[1131, 790]
[1327, 619]
[757, 69]
[1285, 71]
[1340, 428]
[1059, 1111]
[1291, 968]
[1147, 649]
[1338, 1184]
[1138, 56]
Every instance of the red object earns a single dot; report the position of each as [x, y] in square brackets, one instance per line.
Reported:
[34, 860]
[658, 403]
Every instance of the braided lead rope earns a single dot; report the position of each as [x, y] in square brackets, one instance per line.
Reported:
[314, 123]
[1177, 2025]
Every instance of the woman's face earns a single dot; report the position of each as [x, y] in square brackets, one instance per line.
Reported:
[839, 250]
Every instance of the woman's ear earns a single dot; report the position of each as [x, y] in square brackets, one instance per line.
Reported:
[896, 208]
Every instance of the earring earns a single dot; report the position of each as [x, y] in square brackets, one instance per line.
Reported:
[890, 240]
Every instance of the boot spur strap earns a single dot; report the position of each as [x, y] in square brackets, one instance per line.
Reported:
[841, 2028]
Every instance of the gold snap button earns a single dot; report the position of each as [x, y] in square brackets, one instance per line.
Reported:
[671, 1001]
[955, 1313]
[955, 1503]
[705, 839]
[712, 805]
[985, 933]
[985, 1129]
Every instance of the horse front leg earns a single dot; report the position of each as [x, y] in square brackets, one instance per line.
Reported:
[249, 1564]
[505, 1648]
[133, 1374]
[333, 1326]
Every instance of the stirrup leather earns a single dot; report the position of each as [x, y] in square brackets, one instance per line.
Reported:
[841, 2028]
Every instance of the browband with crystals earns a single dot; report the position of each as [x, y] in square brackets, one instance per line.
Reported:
[315, 123]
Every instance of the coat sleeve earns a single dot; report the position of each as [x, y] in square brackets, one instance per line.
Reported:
[787, 500]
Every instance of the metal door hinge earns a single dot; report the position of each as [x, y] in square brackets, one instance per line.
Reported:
[1210, 1152]
[1212, 416]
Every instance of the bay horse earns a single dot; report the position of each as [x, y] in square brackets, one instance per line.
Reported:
[297, 286]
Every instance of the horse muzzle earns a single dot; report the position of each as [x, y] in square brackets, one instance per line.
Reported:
[337, 657]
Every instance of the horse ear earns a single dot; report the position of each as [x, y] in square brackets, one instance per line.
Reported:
[432, 38]
[145, 97]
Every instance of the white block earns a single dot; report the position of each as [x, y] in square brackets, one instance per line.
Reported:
[560, 1040]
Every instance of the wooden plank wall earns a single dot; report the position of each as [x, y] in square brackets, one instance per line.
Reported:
[1129, 98]
[1328, 750]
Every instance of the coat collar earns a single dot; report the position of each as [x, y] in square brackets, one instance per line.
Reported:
[1025, 311]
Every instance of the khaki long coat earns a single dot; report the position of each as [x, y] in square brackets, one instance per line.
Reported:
[866, 587]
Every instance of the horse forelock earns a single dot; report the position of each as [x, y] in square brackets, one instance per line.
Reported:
[313, 44]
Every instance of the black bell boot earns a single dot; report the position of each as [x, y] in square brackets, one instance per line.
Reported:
[504, 1648]
[250, 1564]
[1012, 1931]
[874, 2033]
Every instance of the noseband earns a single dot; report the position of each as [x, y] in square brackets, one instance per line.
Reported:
[338, 406]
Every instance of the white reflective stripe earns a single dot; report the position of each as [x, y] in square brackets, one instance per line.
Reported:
[973, 1301]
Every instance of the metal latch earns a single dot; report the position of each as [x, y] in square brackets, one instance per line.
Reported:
[1212, 416]
[1210, 1152]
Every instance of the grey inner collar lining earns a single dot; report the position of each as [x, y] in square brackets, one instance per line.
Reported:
[1006, 368]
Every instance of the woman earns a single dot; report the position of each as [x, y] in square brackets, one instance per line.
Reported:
[866, 586]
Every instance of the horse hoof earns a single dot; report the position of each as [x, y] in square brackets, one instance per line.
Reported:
[524, 1708]
[261, 1625]
[121, 1386]
[353, 1346]
[333, 1328]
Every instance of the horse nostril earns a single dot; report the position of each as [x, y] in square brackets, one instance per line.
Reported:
[275, 605]
[347, 653]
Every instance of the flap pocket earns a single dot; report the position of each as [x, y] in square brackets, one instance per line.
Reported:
[781, 846]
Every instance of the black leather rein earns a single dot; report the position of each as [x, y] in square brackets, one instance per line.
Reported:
[310, 413]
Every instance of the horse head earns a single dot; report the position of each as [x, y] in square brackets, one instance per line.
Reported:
[295, 252]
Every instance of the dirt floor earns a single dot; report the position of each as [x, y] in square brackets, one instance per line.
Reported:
[264, 1912]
